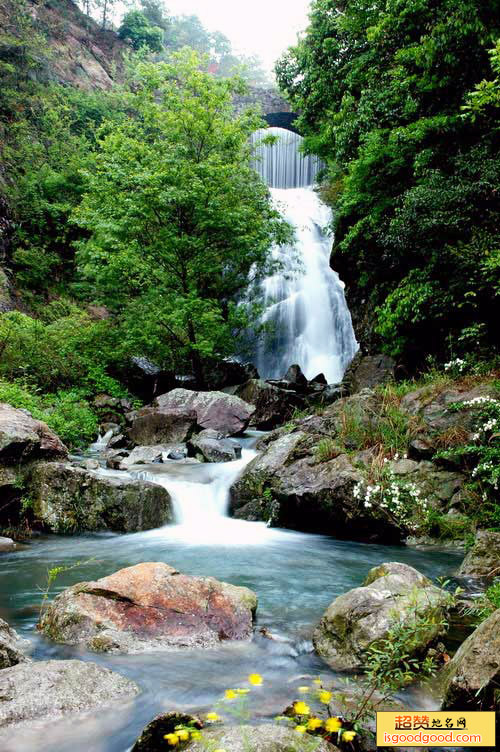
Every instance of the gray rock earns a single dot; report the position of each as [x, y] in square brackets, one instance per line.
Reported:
[7, 544]
[273, 405]
[23, 438]
[150, 606]
[367, 371]
[223, 412]
[359, 618]
[152, 738]
[46, 690]
[68, 499]
[483, 559]
[214, 447]
[162, 425]
[145, 455]
[13, 648]
[295, 376]
[263, 738]
[471, 679]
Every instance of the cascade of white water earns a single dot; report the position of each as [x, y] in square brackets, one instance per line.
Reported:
[304, 301]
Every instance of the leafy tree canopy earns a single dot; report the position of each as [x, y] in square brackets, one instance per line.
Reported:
[137, 28]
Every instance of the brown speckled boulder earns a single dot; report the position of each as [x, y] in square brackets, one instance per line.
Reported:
[150, 606]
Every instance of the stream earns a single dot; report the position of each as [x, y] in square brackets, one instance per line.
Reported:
[295, 575]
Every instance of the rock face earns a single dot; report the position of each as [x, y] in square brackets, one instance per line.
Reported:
[264, 738]
[23, 438]
[223, 412]
[483, 560]
[162, 425]
[213, 447]
[367, 371]
[67, 499]
[45, 690]
[150, 606]
[391, 593]
[273, 405]
[287, 484]
[472, 677]
[12, 647]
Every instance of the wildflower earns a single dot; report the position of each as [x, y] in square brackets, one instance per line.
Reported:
[255, 679]
[195, 735]
[242, 691]
[219, 750]
[348, 736]
[183, 735]
[300, 729]
[303, 690]
[212, 717]
[230, 694]
[314, 723]
[332, 724]
[172, 739]
[317, 681]
[325, 697]
[301, 708]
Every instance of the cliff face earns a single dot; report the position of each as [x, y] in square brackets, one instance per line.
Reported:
[74, 49]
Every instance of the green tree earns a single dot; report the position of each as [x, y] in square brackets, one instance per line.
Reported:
[137, 28]
[381, 86]
[177, 219]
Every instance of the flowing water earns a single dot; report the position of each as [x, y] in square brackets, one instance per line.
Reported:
[304, 303]
[295, 576]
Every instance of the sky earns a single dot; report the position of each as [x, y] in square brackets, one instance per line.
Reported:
[261, 27]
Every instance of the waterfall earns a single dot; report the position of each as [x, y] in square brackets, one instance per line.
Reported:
[305, 310]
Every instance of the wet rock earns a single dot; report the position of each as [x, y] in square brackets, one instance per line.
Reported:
[295, 376]
[227, 373]
[273, 405]
[319, 379]
[145, 379]
[483, 559]
[288, 482]
[471, 680]
[355, 620]
[13, 648]
[45, 690]
[22, 438]
[368, 371]
[146, 455]
[163, 425]
[263, 738]
[223, 412]
[214, 447]
[7, 544]
[68, 499]
[150, 606]
[152, 738]
[114, 457]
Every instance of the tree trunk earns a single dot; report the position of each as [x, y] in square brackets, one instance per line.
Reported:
[195, 359]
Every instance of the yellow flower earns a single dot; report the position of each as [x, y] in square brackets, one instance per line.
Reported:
[314, 723]
[303, 690]
[325, 697]
[183, 734]
[212, 717]
[255, 679]
[219, 750]
[317, 681]
[172, 739]
[332, 724]
[348, 736]
[242, 691]
[300, 729]
[230, 694]
[195, 734]
[301, 708]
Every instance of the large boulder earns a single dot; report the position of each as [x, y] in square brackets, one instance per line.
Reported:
[150, 606]
[392, 593]
[147, 455]
[162, 425]
[288, 486]
[212, 446]
[483, 559]
[223, 412]
[263, 738]
[22, 438]
[67, 499]
[471, 680]
[45, 690]
[273, 405]
[368, 371]
[152, 738]
[12, 647]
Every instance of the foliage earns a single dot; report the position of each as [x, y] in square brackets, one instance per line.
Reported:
[52, 574]
[136, 28]
[385, 427]
[398, 98]
[66, 412]
[485, 605]
[176, 258]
